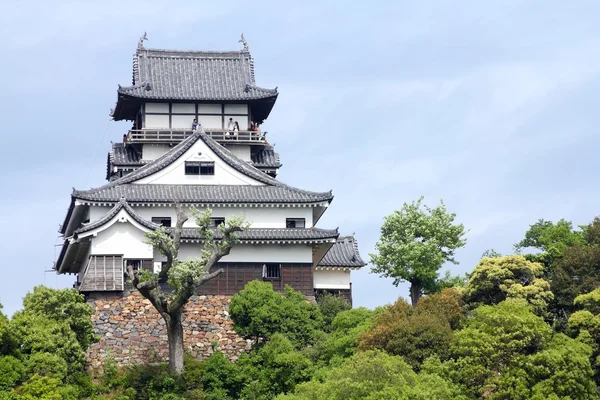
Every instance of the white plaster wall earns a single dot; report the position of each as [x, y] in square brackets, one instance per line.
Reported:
[122, 238]
[240, 151]
[288, 253]
[209, 108]
[263, 217]
[157, 107]
[98, 212]
[211, 121]
[188, 108]
[236, 109]
[175, 173]
[151, 151]
[332, 279]
[182, 121]
[156, 121]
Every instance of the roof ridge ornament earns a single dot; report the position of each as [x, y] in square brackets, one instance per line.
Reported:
[244, 42]
[141, 41]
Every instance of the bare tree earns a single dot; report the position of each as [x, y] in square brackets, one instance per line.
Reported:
[183, 277]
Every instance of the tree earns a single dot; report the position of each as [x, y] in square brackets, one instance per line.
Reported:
[63, 305]
[183, 277]
[415, 242]
[497, 279]
[374, 375]
[550, 239]
[258, 312]
[330, 306]
[343, 340]
[273, 368]
[505, 351]
[415, 333]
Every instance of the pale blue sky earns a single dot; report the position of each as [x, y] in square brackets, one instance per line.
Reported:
[490, 107]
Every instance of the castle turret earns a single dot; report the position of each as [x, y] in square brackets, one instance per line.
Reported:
[172, 89]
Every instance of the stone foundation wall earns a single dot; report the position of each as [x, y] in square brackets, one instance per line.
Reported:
[133, 332]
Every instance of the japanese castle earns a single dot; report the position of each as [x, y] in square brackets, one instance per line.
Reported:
[182, 149]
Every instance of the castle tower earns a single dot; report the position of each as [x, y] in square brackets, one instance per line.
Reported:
[163, 161]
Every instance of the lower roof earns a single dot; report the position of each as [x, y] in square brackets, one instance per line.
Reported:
[344, 253]
[200, 194]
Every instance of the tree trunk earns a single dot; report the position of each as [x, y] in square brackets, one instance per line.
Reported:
[415, 292]
[175, 336]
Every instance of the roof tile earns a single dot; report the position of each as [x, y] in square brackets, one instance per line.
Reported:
[344, 253]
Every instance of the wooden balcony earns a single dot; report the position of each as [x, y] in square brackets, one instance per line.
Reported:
[175, 136]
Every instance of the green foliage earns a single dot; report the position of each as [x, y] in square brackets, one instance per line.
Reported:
[343, 340]
[574, 274]
[413, 333]
[330, 306]
[63, 305]
[45, 388]
[447, 281]
[507, 352]
[46, 364]
[259, 312]
[12, 371]
[40, 334]
[550, 239]
[275, 368]
[497, 279]
[447, 305]
[374, 375]
[415, 241]
[221, 378]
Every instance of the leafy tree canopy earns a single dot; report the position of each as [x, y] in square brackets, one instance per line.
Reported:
[330, 306]
[416, 333]
[258, 312]
[415, 242]
[374, 375]
[497, 279]
[63, 305]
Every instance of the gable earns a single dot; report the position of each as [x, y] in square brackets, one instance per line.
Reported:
[199, 151]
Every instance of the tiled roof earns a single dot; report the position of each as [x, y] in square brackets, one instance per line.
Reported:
[268, 234]
[200, 194]
[281, 234]
[124, 155]
[266, 158]
[127, 156]
[344, 253]
[122, 204]
[194, 75]
[273, 191]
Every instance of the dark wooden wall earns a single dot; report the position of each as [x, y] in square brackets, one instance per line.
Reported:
[237, 275]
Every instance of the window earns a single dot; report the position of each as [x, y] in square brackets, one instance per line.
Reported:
[139, 264]
[295, 223]
[217, 221]
[164, 221]
[199, 168]
[271, 271]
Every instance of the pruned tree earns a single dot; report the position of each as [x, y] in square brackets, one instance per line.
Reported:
[415, 242]
[183, 277]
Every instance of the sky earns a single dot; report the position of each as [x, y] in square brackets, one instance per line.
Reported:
[490, 106]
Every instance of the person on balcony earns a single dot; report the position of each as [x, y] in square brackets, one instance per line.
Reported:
[195, 124]
[236, 128]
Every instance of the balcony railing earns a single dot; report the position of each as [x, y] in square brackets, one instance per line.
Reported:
[172, 136]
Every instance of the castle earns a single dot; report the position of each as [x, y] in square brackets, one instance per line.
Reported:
[195, 140]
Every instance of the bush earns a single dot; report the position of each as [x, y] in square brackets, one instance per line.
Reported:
[12, 371]
[330, 306]
[259, 312]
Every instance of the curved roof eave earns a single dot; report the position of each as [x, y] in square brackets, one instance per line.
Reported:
[241, 166]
